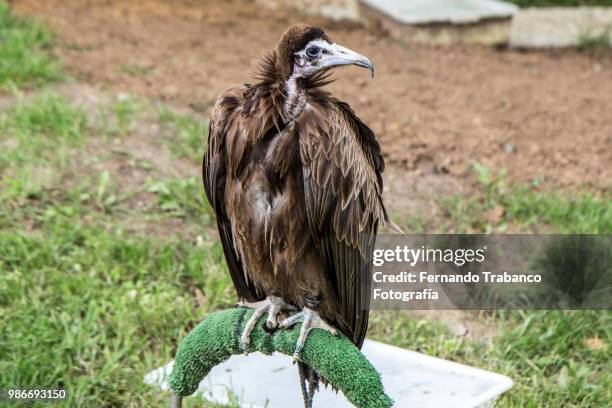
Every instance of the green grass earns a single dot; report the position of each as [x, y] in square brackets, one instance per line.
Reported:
[92, 310]
[37, 136]
[84, 304]
[583, 213]
[120, 115]
[39, 127]
[25, 60]
[182, 198]
[43, 120]
[546, 353]
[529, 209]
[189, 134]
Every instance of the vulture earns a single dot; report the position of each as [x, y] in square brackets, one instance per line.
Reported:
[294, 178]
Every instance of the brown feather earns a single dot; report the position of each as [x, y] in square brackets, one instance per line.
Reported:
[354, 174]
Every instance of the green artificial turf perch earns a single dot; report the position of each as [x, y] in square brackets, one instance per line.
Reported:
[337, 359]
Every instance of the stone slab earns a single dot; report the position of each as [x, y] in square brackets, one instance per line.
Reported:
[442, 11]
[559, 27]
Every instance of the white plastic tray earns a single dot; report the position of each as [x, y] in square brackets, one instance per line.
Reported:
[411, 379]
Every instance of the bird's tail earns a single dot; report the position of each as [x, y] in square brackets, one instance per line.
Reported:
[309, 382]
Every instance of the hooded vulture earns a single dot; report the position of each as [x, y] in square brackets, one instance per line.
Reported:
[294, 177]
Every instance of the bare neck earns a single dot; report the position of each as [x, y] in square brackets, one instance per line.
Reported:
[295, 98]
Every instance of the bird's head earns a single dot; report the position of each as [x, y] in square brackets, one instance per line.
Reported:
[305, 50]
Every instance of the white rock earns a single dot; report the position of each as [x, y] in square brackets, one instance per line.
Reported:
[559, 27]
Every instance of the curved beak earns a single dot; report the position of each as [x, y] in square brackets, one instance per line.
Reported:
[338, 55]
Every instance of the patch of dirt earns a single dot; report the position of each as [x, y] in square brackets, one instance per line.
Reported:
[413, 196]
[132, 159]
[541, 115]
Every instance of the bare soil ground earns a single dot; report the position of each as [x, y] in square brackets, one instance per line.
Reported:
[540, 115]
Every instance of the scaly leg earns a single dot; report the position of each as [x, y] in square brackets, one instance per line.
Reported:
[311, 319]
[272, 305]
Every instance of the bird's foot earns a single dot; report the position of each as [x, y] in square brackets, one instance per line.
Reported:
[273, 305]
[310, 319]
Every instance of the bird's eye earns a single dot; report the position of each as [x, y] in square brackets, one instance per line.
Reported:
[312, 51]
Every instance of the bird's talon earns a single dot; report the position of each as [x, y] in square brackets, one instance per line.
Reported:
[272, 305]
[310, 320]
